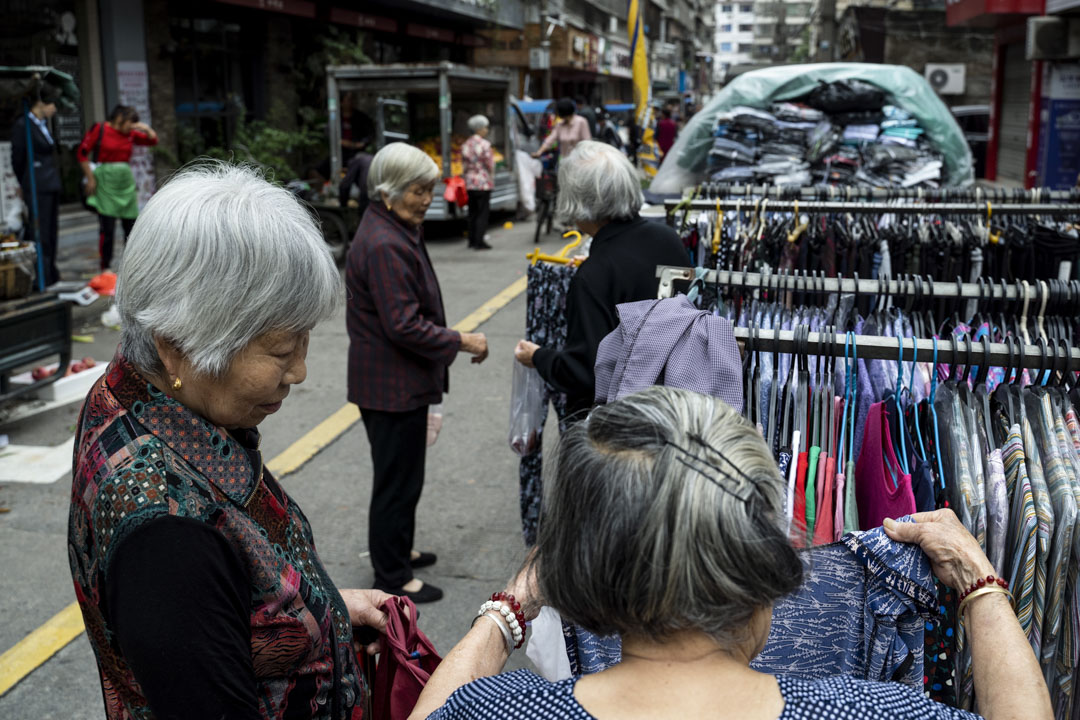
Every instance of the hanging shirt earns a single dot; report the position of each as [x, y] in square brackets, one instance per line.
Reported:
[859, 612]
[882, 489]
[1023, 528]
[997, 513]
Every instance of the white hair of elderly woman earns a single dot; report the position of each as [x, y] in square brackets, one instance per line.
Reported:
[478, 122]
[218, 257]
[396, 167]
[598, 184]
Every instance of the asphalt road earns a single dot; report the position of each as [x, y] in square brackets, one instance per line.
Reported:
[468, 513]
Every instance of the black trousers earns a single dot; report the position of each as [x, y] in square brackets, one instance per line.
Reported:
[107, 229]
[49, 231]
[398, 445]
[479, 207]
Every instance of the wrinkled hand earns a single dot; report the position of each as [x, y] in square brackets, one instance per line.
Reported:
[364, 610]
[955, 555]
[91, 186]
[525, 589]
[524, 352]
[476, 345]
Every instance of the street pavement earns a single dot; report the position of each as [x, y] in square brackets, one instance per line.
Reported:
[468, 514]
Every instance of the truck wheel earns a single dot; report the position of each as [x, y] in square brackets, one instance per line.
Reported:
[337, 237]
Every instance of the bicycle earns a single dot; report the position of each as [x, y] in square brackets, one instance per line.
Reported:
[547, 194]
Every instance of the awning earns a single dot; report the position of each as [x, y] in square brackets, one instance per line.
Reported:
[533, 107]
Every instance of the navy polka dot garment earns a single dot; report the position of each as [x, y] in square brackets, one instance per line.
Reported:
[523, 695]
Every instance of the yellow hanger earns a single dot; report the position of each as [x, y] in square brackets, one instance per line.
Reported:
[799, 227]
[563, 257]
[719, 227]
[994, 237]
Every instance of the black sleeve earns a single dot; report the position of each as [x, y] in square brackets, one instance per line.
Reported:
[589, 318]
[352, 175]
[18, 150]
[179, 602]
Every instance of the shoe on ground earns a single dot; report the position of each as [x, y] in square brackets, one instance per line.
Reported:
[425, 559]
[481, 246]
[427, 593]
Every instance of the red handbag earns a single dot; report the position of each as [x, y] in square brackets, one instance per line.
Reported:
[455, 192]
[405, 664]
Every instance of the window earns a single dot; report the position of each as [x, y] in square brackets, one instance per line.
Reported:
[725, 47]
[746, 28]
[745, 47]
[746, 8]
[725, 28]
[727, 8]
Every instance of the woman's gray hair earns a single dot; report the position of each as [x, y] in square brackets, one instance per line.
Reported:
[598, 184]
[396, 167]
[478, 122]
[218, 257]
[664, 512]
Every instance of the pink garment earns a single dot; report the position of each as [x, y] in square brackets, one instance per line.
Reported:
[823, 532]
[877, 497]
[568, 134]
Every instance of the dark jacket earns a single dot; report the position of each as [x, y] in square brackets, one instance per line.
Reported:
[400, 349]
[46, 172]
[621, 268]
[356, 174]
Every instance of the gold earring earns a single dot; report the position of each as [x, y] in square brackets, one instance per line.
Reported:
[176, 384]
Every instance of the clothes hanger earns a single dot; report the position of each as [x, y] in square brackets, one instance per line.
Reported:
[899, 407]
[934, 417]
[915, 410]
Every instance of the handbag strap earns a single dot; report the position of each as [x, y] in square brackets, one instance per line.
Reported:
[97, 146]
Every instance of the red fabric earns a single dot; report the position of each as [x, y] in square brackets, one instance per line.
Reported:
[798, 520]
[666, 130]
[455, 191]
[823, 533]
[405, 664]
[115, 146]
[400, 349]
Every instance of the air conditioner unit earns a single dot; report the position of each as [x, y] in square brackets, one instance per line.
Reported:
[946, 78]
[1052, 38]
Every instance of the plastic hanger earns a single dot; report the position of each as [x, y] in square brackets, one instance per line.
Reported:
[915, 410]
[934, 417]
[899, 407]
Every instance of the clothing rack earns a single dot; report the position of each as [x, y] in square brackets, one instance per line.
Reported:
[802, 282]
[873, 347]
[876, 208]
[712, 191]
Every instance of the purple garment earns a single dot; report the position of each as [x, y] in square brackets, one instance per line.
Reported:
[877, 495]
[672, 343]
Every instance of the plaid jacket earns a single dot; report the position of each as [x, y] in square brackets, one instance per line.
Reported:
[400, 349]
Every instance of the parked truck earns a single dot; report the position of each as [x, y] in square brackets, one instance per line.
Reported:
[428, 105]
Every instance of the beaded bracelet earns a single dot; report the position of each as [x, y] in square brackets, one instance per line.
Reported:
[983, 582]
[517, 628]
[513, 603]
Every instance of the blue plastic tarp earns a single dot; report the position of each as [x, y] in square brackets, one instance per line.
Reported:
[686, 166]
[533, 107]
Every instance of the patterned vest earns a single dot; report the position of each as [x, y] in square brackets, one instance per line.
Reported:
[140, 455]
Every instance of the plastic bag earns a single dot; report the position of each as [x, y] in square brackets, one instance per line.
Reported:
[847, 95]
[434, 423]
[526, 410]
[547, 646]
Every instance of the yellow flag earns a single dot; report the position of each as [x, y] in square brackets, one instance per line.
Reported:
[639, 62]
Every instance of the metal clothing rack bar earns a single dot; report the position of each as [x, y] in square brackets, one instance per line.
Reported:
[876, 208]
[713, 190]
[872, 347]
[805, 283]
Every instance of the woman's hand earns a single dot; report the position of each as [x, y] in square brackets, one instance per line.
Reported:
[364, 611]
[536, 154]
[525, 589]
[476, 345]
[954, 554]
[524, 352]
[91, 185]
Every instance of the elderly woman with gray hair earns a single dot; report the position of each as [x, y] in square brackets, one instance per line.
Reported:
[400, 352]
[599, 191]
[478, 165]
[197, 575]
[663, 521]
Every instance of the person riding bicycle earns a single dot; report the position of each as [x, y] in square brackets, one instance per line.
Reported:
[571, 130]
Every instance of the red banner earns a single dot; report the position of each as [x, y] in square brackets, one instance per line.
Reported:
[300, 8]
[357, 19]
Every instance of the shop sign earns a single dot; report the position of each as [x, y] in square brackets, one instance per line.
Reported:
[615, 60]
[426, 32]
[963, 12]
[362, 20]
[133, 84]
[299, 8]
[1059, 134]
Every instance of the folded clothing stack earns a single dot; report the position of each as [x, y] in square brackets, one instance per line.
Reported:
[841, 133]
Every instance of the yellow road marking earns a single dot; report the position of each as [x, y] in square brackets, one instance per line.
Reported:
[39, 646]
[33, 650]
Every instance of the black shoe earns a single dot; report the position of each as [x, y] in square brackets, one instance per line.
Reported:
[424, 560]
[481, 246]
[427, 593]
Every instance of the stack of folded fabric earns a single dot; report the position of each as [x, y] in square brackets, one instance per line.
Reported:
[841, 133]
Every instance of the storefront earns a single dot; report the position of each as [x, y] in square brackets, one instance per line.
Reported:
[1015, 90]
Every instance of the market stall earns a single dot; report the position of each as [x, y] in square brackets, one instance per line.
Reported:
[833, 124]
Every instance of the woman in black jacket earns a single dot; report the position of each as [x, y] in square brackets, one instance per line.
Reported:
[46, 174]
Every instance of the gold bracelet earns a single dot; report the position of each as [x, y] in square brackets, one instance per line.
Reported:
[976, 593]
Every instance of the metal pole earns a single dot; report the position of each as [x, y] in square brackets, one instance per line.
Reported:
[715, 190]
[881, 208]
[333, 126]
[36, 220]
[545, 47]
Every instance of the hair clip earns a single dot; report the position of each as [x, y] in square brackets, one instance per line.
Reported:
[742, 489]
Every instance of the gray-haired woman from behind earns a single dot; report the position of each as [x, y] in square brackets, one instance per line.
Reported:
[600, 192]
[663, 521]
[197, 575]
[478, 166]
